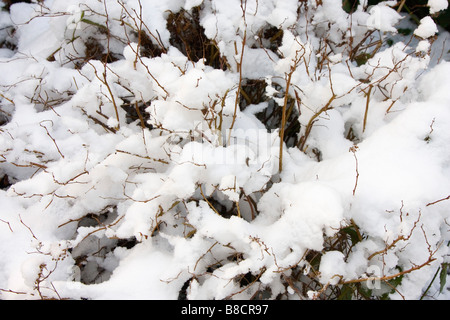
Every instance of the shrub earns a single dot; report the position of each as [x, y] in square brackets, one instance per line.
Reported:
[246, 149]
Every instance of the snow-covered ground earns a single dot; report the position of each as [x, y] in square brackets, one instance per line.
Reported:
[132, 175]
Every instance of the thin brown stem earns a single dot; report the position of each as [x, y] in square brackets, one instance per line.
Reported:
[367, 107]
[283, 118]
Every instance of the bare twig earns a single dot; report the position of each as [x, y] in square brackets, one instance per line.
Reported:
[367, 107]
[48, 133]
[203, 255]
[7, 224]
[354, 149]
[283, 117]
[311, 122]
[399, 238]
[113, 100]
[239, 88]
[387, 278]
[437, 201]
[207, 201]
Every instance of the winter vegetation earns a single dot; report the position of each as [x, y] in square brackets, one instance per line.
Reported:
[210, 149]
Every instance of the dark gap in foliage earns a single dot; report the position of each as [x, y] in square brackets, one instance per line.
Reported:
[272, 38]
[253, 92]
[5, 182]
[236, 257]
[127, 243]
[7, 40]
[94, 50]
[9, 3]
[225, 207]
[350, 6]
[182, 294]
[246, 279]
[147, 48]
[188, 36]
[91, 252]
[4, 118]
[136, 112]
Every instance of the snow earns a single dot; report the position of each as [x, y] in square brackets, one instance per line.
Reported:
[427, 28]
[423, 46]
[437, 5]
[332, 265]
[383, 18]
[127, 175]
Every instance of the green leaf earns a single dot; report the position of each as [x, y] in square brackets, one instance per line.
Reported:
[94, 23]
[393, 283]
[362, 58]
[365, 292]
[350, 6]
[404, 31]
[443, 276]
[352, 233]
[396, 281]
[346, 292]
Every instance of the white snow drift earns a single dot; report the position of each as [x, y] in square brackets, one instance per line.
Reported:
[99, 207]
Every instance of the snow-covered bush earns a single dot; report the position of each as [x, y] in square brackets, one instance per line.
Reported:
[209, 149]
